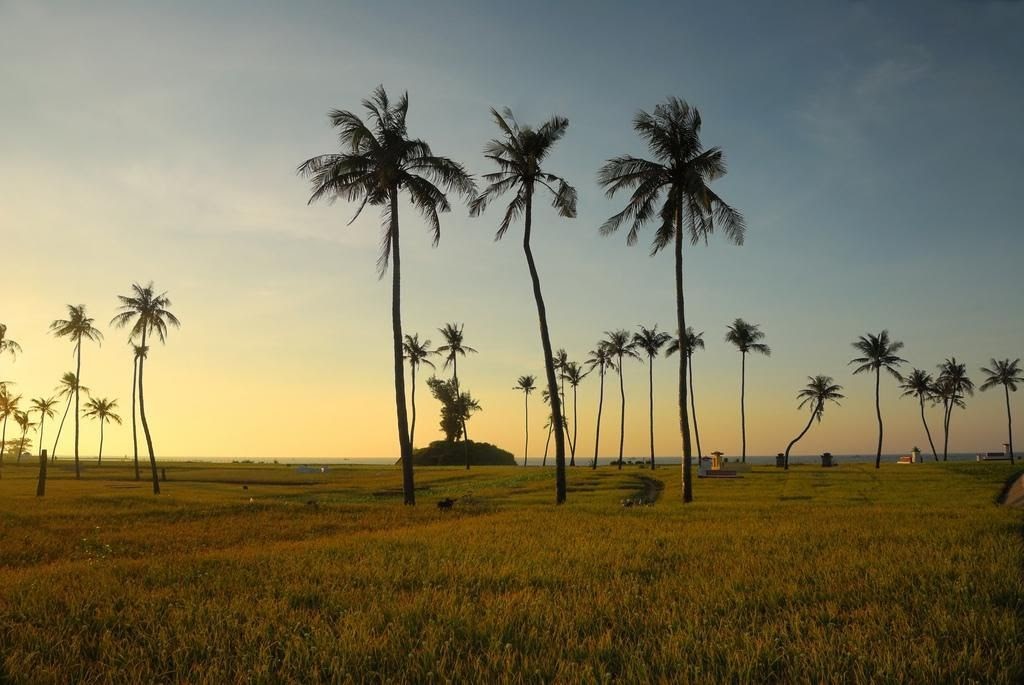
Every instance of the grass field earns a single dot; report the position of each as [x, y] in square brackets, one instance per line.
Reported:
[908, 574]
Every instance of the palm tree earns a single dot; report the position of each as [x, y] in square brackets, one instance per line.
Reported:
[77, 327]
[375, 164]
[545, 396]
[148, 313]
[454, 348]
[600, 358]
[620, 345]
[519, 154]
[139, 352]
[650, 340]
[1007, 374]
[102, 409]
[68, 388]
[7, 345]
[953, 386]
[673, 192]
[877, 353]
[574, 373]
[745, 337]
[694, 341]
[8, 408]
[526, 385]
[417, 353]
[23, 419]
[43, 405]
[819, 389]
[920, 384]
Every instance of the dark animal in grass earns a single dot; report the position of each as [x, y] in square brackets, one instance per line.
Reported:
[446, 503]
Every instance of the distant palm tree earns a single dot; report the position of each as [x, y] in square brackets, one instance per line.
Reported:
[953, 386]
[68, 387]
[148, 313]
[375, 164]
[77, 327]
[102, 409]
[620, 345]
[560, 360]
[575, 374]
[694, 341]
[24, 421]
[651, 340]
[877, 353]
[819, 389]
[745, 336]
[43, 405]
[545, 397]
[600, 358]
[8, 408]
[417, 353]
[526, 385]
[139, 353]
[1007, 374]
[681, 176]
[8, 346]
[452, 349]
[519, 154]
[920, 384]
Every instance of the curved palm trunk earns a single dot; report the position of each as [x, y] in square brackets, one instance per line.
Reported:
[1009, 422]
[650, 385]
[743, 404]
[465, 443]
[796, 440]
[60, 428]
[547, 444]
[878, 411]
[99, 460]
[526, 426]
[693, 411]
[42, 425]
[600, 406]
[622, 411]
[404, 441]
[78, 376]
[948, 406]
[575, 428]
[684, 419]
[549, 364]
[145, 422]
[412, 428]
[928, 432]
[135, 434]
[3, 444]
[21, 445]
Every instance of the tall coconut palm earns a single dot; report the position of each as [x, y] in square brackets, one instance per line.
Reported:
[102, 409]
[650, 341]
[453, 348]
[1007, 374]
[693, 341]
[526, 385]
[519, 155]
[599, 358]
[77, 327]
[561, 360]
[8, 346]
[574, 373]
[146, 313]
[44, 406]
[68, 387]
[139, 352]
[745, 336]
[417, 353]
[620, 346]
[8, 408]
[24, 421]
[818, 391]
[953, 386]
[920, 384]
[878, 352]
[377, 162]
[673, 192]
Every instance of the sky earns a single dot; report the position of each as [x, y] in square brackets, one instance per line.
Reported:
[874, 148]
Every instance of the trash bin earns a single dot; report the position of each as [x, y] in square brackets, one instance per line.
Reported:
[780, 460]
[826, 459]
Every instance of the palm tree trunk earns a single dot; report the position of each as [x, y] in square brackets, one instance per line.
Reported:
[412, 428]
[1009, 421]
[693, 411]
[549, 364]
[145, 422]
[526, 427]
[878, 412]
[547, 444]
[78, 384]
[743, 404]
[135, 434]
[41, 484]
[21, 445]
[650, 386]
[622, 411]
[60, 428]
[465, 443]
[404, 441]
[575, 425]
[600, 406]
[796, 440]
[3, 444]
[100, 459]
[684, 419]
[42, 424]
[928, 432]
[948, 415]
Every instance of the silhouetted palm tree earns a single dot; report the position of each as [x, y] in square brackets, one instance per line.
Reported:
[138, 352]
[819, 389]
[673, 192]
[650, 340]
[575, 374]
[519, 155]
[43, 405]
[694, 341]
[920, 384]
[620, 345]
[454, 348]
[8, 346]
[600, 358]
[878, 352]
[1007, 374]
[68, 387]
[24, 421]
[8, 408]
[102, 409]
[373, 167]
[745, 337]
[77, 327]
[417, 353]
[952, 386]
[526, 385]
[148, 313]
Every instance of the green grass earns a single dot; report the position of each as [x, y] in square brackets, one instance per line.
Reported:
[908, 574]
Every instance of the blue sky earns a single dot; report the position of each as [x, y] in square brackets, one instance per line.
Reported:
[875, 149]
